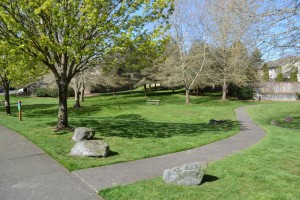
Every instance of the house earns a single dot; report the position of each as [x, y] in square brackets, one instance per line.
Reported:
[286, 64]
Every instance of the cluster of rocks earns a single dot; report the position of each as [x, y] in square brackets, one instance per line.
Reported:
[188, 174]
[287, 119]
[86, 145]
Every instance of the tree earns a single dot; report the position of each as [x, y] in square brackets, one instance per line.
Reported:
[280, 27]
[279, 77]
[266, 76]
[294, 74]
[67, 35]
[15, 70]
[184, 31]
[228, 24]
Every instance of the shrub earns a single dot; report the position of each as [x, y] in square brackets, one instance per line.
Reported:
[298, 96]
[245, 93]
[51, 92]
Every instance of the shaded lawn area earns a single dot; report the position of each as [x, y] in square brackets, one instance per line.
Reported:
[133, 129]
[268, 170]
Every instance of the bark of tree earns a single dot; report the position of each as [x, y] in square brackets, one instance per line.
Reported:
[77, 99]
[155, 86]
[187, 96]
[145, 90]
[82, 93]
[114, 91]
[76, 87]
[63, 121]
[130, 86]
[224, 90]
[6, 94]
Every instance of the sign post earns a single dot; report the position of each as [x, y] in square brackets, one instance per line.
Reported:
[20, 110]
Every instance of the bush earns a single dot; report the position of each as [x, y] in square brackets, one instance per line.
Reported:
[298, 96]
[245, 93]
[51, 92]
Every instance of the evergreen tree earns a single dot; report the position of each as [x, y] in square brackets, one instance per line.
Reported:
[266, 76]
[279, 77]
[294, 74]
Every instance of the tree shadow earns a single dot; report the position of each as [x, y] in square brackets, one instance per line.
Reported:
[209, 178]
[134, 126]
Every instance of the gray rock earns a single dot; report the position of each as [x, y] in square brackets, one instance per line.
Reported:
[90, 148]
[274, 122]
[214, 122]
[288, 119]
[189, 174]
[83, 133]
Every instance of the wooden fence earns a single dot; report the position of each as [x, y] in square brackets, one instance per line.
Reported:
[279, 88]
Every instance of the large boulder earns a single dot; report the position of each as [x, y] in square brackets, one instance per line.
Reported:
[90, 148]
[83, 133]
[189, 174]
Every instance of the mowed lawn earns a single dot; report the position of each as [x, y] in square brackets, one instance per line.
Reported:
[268, 170]
[133, 129]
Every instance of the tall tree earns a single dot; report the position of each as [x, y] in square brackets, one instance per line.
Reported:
[266, 76]
[16, 70]
[294, 74]
[228, 23]
[67, 35]
[279, 72]
[184, 32]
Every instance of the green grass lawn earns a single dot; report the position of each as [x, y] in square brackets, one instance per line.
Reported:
[133, 129]
[268, 170]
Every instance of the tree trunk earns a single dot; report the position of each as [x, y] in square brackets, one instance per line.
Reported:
[82, 94]
[82, 91]
[130, 89]
[7, 100]
[77, 98]
[114, 92]
[187, 96]
[76, 87]
[224, 90]
[173, 90]
[197, 91]
[145, 90]
[62, 84]
[150, 86]
[155, 86]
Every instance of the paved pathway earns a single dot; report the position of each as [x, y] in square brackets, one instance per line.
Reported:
[27, 173]
[129, 172]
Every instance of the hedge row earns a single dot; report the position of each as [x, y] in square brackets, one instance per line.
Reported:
[51, 92]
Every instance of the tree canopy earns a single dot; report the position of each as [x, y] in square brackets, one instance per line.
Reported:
[66, 35]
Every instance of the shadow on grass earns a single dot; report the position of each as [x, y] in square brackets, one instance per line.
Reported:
[134, 126]
[209, 178]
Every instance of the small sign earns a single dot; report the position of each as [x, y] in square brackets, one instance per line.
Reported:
[19, 105]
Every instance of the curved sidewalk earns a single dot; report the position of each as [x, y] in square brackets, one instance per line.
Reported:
[27, 173]
[124, 173]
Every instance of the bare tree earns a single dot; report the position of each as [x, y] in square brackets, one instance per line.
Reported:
[228, 24]
[184, 33]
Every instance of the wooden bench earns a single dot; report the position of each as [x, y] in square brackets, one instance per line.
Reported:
[153, 102]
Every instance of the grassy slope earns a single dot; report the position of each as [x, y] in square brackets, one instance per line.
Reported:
[268, 170]
[133, 129]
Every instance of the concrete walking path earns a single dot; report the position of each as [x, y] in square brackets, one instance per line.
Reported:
[27, 173]
[118, 174]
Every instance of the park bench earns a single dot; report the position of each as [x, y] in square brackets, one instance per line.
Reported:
[153, 102]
